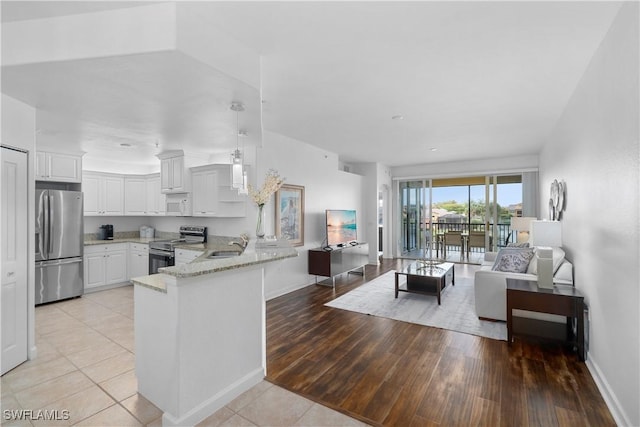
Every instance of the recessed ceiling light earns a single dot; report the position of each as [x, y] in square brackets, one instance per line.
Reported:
[397, 117]
[434, 149]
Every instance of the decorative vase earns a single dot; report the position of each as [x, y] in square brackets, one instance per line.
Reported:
[260, 225]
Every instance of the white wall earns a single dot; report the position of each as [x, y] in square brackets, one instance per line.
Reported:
[19, 130]
[377, 178]
[467, 168]
[326, 187]
[595, 149]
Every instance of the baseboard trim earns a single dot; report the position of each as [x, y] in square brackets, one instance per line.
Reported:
[281, 292]
[216, 402]
[618, 413]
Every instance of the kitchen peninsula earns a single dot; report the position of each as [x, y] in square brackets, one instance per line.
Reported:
[200, 337]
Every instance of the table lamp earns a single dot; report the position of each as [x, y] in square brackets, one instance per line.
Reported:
[545, 235]
[521, 225]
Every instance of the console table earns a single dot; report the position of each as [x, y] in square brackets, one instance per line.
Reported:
[563, 300]
[331, 263]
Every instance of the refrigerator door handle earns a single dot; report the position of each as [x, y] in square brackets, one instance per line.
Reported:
[50, 227]
[58, 262]
[41, 226]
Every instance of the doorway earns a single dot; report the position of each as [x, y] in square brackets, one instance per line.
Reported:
[458, 219]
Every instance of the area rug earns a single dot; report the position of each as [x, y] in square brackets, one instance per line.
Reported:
[456, 313]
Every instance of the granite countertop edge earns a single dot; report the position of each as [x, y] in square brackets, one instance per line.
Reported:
[93, 242]
[153, 281]
[201, 268]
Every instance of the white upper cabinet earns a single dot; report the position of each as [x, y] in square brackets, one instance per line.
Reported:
[213, 195]
[205, 186]
[135, 199]
[58, 167]
[174, 170]
[103, 194]
[115, 194]
[172, 175]
[154, 197]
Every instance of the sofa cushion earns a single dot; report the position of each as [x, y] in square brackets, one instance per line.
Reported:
[513, 260]
[558, 259]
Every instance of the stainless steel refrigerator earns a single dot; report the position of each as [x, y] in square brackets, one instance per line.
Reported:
[59, 245]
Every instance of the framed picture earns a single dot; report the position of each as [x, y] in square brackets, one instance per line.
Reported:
[290, 213]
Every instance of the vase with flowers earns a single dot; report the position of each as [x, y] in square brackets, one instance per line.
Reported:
[272, 183]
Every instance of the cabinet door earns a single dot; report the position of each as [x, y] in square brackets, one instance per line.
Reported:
[166, 180]
[205, 186]
[113, 196]
[177, 172]
[91, 190]
[94, 270]
[138, 264]
[64, 167]
[185, 256]
[41, 165]
[135, 201]
[155, 198]
[115, 267]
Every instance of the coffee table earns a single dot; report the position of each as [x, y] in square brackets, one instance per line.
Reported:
[426, 278]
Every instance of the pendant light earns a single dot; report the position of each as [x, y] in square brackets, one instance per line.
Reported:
[238, 175]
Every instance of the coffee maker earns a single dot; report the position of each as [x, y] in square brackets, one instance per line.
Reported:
[105, 232]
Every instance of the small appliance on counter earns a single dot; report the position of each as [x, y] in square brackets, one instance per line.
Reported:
[105, 232]
[147, 232]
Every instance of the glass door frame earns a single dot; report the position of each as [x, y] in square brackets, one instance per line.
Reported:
[424, 194]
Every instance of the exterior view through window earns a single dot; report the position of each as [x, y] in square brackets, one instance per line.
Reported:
[458, 217]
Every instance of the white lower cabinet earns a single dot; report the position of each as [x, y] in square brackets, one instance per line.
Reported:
[138, 260]
[185, 256]
[105, 265]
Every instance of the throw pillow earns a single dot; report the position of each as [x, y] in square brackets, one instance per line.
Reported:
[513, 260]
[518, 245]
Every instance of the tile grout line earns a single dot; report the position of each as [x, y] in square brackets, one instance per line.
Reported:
[119, 345]
[79, 369]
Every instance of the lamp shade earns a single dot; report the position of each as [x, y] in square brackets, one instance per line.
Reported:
[546, 233]
[521, 223]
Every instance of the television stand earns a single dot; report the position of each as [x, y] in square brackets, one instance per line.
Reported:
[332, 263]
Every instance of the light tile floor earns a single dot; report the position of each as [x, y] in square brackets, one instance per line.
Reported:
[85, 366]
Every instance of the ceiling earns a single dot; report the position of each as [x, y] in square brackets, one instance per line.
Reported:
[470, 79]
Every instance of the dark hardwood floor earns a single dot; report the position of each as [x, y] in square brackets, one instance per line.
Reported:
[386, 372]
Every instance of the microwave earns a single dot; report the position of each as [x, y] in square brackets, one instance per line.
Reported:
[178, 204]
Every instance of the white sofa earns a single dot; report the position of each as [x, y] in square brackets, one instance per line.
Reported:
[490, 286]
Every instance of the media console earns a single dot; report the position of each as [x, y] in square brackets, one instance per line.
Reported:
[332, 263]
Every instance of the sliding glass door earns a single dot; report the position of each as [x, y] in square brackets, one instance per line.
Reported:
[458, 218]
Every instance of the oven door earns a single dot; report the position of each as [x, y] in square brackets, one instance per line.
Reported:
[159, 259]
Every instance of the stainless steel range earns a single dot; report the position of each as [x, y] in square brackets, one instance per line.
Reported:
[162, 252]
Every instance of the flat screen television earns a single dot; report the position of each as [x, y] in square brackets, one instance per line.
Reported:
[341, 227]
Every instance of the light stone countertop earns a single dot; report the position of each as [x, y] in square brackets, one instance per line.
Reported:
[202, 266]
[120, 240]
[153, 281]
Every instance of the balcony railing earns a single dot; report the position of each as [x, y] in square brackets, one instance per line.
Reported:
[413, 232]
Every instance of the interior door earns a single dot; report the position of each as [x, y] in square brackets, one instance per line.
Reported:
[14, 258]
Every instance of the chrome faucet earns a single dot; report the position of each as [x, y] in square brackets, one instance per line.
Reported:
[245, 241]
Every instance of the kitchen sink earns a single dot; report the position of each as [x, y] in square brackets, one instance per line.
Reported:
[222, 254]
